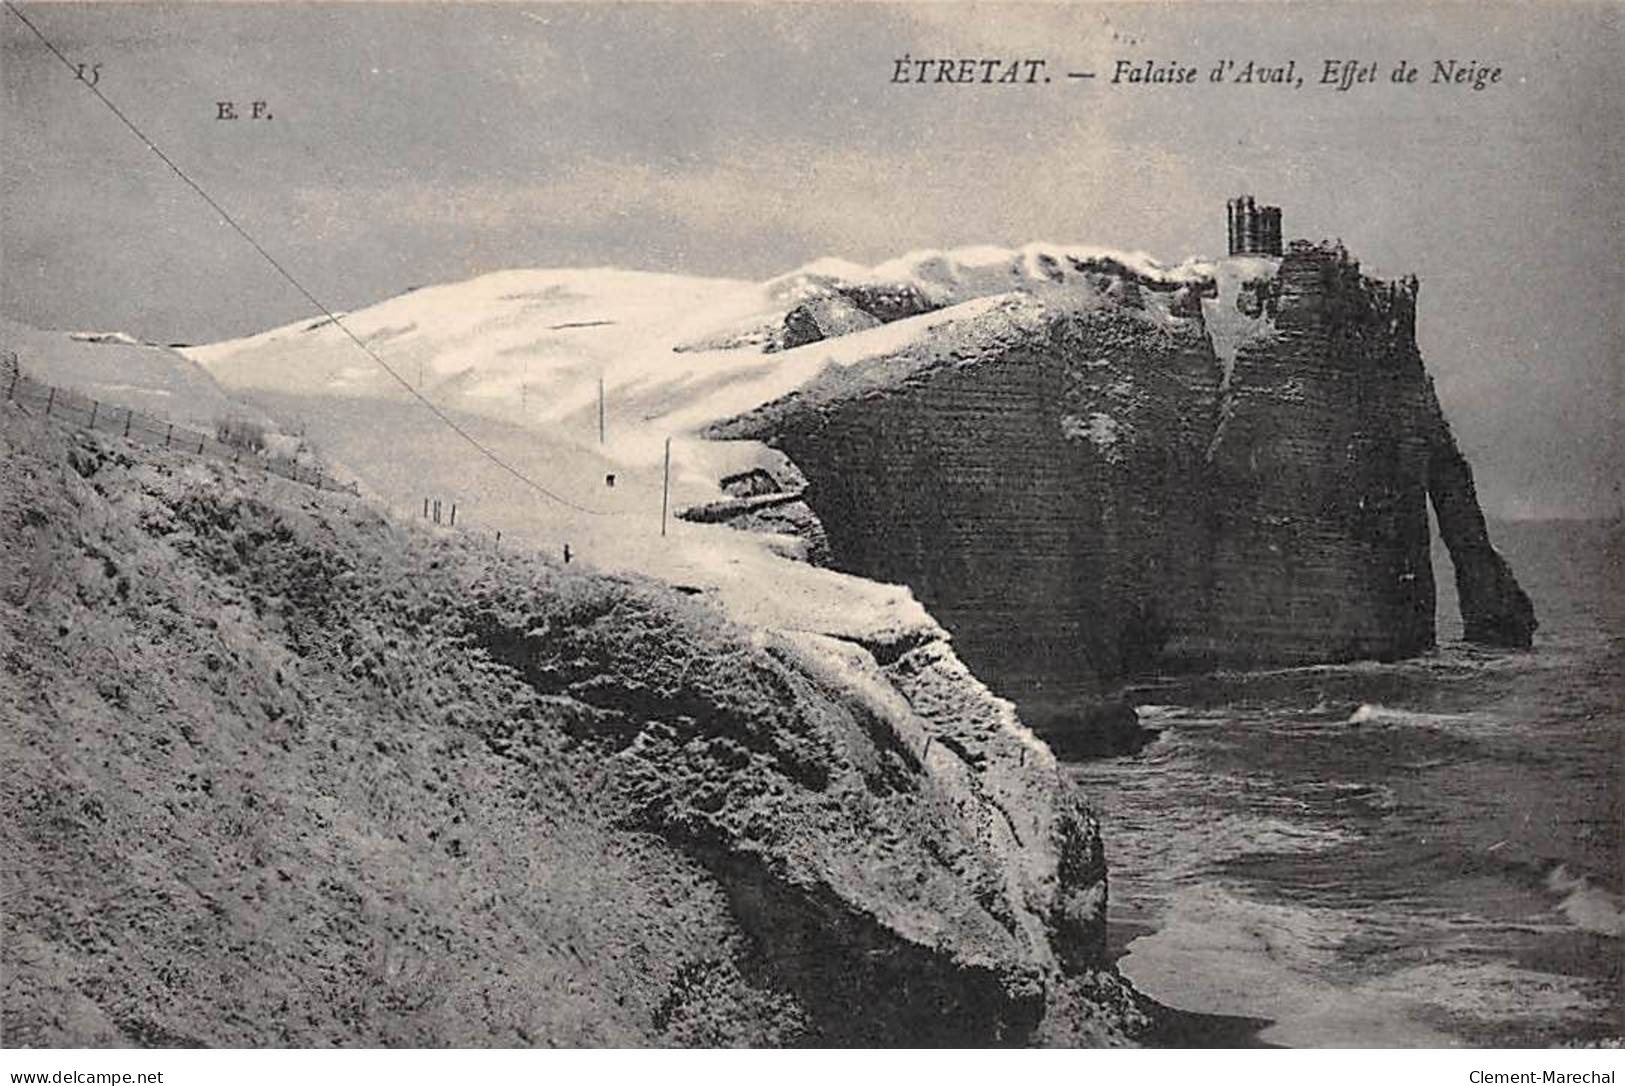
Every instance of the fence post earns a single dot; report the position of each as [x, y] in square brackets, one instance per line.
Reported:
[201, 439]
[169, 433]
[128, 414]
[95, 406]
[49, 400]
[665, 488]
[454, 514]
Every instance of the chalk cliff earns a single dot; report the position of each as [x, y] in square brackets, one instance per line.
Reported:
[1085, 464]
[1111, 470]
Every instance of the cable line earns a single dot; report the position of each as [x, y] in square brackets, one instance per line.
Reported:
[484, 449]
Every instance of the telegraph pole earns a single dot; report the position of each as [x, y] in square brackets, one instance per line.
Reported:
[665, 488]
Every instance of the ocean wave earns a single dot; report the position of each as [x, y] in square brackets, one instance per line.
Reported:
[1487, 991]
[1379, 797]
[1151, 713]
[1376, 713]
[1453, 660]
[1217, 950]
[1585, 904]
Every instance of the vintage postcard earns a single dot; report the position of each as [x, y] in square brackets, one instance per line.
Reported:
[840, 525]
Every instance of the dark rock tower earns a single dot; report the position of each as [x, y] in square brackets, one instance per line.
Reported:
[1254, 231]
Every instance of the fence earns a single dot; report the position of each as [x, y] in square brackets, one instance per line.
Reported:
[77, 409]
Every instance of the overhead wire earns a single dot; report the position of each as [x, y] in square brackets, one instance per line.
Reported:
[461, 431]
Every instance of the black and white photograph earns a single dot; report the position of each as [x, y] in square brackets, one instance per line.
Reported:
[811, 526]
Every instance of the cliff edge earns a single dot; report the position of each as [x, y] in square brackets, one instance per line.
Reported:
[290, 772]
[1106, 469]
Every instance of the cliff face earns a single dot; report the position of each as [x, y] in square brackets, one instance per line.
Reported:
[1117, 471]
[1494, 609]
[285, 765]
[1319, 532]
[1031, 476]
[1330, 445]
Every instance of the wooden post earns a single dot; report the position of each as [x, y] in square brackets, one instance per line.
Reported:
[454, 514]
[665, 488]
[425, 508]
[169, 433]
[128, 414]
[201, 439]
[49, 400]
[95, 406]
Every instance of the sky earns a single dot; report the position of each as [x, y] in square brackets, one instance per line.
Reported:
[416, 144]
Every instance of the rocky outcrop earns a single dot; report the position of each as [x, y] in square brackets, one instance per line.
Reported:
[1318, 535]
[358, 784]
[1116, 472]
[1494, 609]
[987, 472]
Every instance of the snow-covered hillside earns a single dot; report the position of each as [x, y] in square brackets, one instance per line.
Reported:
[119, 369]
[529, 347]
[517, 358]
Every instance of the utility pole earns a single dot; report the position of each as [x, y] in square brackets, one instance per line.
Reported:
[665, 488]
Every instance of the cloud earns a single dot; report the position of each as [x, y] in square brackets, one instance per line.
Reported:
[1032, 29]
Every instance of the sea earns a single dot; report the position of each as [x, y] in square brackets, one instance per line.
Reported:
[1424, 853]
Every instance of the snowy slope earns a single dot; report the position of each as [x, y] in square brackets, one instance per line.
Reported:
[529, 347]
[949, 276]
[517, 357]
[119, 369]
